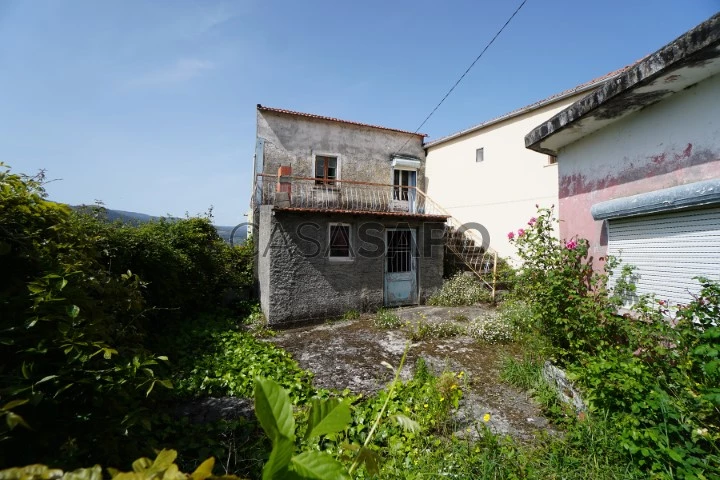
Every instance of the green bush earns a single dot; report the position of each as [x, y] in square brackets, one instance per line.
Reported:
[460, 290]
[492, 328]
[74, 368]
[83, 304]
[653, 375]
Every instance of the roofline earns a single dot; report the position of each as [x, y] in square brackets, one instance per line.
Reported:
[582, 88]
[283, 111]
[668, 58]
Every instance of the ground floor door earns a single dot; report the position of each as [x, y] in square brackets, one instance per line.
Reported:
[400, 267]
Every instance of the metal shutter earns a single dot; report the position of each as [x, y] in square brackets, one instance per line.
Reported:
[668, 250]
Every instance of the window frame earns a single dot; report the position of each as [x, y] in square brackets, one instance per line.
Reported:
[480, 152]
[324, 181]
[350, 257]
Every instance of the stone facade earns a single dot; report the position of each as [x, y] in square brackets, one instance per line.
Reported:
[297, 279]
[301, 283]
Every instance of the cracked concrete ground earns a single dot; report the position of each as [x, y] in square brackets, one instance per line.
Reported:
[348, 354]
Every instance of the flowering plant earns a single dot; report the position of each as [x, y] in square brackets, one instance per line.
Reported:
[568, 297]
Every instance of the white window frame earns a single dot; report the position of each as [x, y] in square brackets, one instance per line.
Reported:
[338, 175]
[350, 257]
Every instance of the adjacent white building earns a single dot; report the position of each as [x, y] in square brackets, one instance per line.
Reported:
[485, 175]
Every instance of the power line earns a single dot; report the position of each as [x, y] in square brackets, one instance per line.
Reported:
[466, 71]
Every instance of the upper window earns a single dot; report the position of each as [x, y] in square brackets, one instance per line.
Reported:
[325, 170]
[340, 241]
[479, 155]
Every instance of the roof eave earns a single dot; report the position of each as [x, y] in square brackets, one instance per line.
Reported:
[687, 60]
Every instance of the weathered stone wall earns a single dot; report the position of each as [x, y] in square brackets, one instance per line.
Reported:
[303, 284]
[364, 153]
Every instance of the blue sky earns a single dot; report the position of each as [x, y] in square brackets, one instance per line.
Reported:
[149, 106]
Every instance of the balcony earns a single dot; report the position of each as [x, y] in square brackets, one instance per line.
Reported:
[287, 192]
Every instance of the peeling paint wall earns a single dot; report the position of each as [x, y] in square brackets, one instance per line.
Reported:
[671, 143]
[365, 153]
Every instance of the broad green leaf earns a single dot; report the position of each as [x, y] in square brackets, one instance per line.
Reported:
[204, 470]
[274, 410]
[92, 473]
[327, 416]
[277, 465]
[13, 420]
[45, 379]
[164, 459]
[73, 311]
[141, 464]
[318, 466]
[14, 403]
[406, 423]
[370, 459]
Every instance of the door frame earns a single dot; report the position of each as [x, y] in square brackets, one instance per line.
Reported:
[414, 265]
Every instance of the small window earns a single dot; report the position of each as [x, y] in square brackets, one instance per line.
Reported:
[552, 159]
[340, 241]
[325, 170]
[479, 155]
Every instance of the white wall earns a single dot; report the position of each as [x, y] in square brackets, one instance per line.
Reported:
[501, 192]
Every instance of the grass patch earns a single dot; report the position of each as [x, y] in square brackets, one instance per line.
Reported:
[460, 290]
[385, 318]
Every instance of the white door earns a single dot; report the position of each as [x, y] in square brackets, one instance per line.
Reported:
[400, 267]
[668, 250]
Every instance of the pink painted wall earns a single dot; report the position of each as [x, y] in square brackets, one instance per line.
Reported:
[674, 142]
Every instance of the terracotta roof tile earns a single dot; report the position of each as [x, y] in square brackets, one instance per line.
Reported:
[263, 108]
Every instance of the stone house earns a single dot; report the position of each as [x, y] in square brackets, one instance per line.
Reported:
[341, 220]
[639, 165]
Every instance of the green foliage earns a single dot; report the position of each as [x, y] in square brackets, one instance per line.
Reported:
[162, 468]
[568, 298]
[460, 290]
[274, 411]
[385, 318]
[219, 358]
[351, 315]
[84, 302]
[70, 335]
[491, 328]
[653, 374]
[423, 329]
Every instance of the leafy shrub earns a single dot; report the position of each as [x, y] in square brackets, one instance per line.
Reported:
[385, 318]
[218, 358]
[654, 376]
[460, 290]
[492, 328]
[74, 367]
[568, 298]
[161, 468]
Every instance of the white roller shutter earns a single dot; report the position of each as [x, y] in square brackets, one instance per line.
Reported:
[668, 250]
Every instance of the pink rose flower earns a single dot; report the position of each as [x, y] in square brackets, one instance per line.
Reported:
[571, 244]
[511, 235]
[521, 232]
[532, 221]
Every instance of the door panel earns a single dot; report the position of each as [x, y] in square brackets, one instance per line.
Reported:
[400, 267]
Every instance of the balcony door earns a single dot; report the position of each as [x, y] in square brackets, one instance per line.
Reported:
[404, 183]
